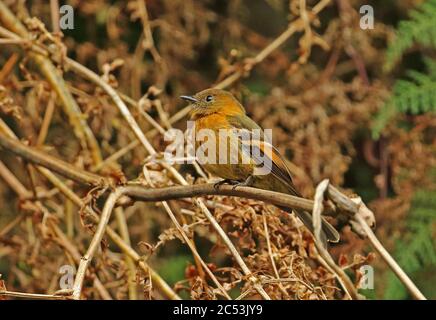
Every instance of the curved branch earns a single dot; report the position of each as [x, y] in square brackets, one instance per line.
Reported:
[81, 129]
[364, 218]
[96, 239]
[41, 158]
[402, 276]
[322, 250]
[159, 194]
[189, 191]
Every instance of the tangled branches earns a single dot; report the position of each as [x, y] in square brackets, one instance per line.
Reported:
[102, 126]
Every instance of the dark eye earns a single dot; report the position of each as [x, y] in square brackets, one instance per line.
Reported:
[209, 98]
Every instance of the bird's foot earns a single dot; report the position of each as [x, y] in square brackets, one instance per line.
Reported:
[247, 183]
[225, 181]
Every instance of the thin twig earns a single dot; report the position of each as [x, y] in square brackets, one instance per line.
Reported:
[41, 158]
[95, 242]
[144, 141]
[54, 11]
[57, 82]
[318, 207]
[32, 295]
[131, 270]
[157, 280]
[46, 121]
[11, 225]
[402, 276]
[271, 256]
[13, 182]
[364, 217]
[8, 66]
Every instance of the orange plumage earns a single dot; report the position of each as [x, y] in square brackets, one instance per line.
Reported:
[216, 110]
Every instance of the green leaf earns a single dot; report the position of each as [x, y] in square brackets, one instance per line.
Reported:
[417, 95]
[420, 29]
[416, 249]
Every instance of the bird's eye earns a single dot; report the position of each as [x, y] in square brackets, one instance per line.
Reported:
[209, 98]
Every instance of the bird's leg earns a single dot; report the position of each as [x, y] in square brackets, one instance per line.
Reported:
[225, 181]
[247, 183]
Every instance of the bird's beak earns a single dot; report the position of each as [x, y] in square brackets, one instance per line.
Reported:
[189, 98]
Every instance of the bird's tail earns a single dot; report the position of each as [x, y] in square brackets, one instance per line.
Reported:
[328, 232]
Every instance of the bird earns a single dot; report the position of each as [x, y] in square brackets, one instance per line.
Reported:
[214, 111]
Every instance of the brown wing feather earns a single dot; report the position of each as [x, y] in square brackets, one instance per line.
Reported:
[278, 167]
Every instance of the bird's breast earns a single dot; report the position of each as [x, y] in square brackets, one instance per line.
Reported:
[218, 149]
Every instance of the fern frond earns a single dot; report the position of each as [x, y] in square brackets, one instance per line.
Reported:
[417, 249]
[420, 28]
[417, 95]
[431, 67]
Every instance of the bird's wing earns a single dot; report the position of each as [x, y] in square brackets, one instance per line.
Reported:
[278, 169]
[242, 122]
[259, 149]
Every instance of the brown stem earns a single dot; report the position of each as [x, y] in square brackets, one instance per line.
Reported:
[40, 158]
[57, 82]
[359, 214]
[318, 207]
[189, 191]
[402, 276]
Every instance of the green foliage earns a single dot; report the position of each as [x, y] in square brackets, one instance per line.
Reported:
[418, 94]
[420, 28]
[174, 268]
[417, 249]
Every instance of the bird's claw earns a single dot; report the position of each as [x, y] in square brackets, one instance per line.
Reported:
[224, 181]
[247, 183]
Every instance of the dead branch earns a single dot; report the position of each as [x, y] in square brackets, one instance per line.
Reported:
[41, 158]
[316, 214]
[365, 219]
[126, 248]
[71, 108]
[402, 276]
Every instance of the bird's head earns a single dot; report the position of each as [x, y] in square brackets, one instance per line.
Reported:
[211, 101]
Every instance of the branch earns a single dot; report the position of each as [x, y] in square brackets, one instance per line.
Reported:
[131, 272]
[32, 295]
[295, 26]
[40, 158]
[127, 249]
[159, 194]
[189, 191]
[57, 82]
[95, 242]
[364, 218]
[402, 276]
[318, 207]
[142, 138]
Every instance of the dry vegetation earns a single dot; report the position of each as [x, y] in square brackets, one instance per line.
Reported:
[303, 68]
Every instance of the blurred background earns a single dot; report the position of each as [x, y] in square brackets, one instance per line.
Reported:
[351, 102]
